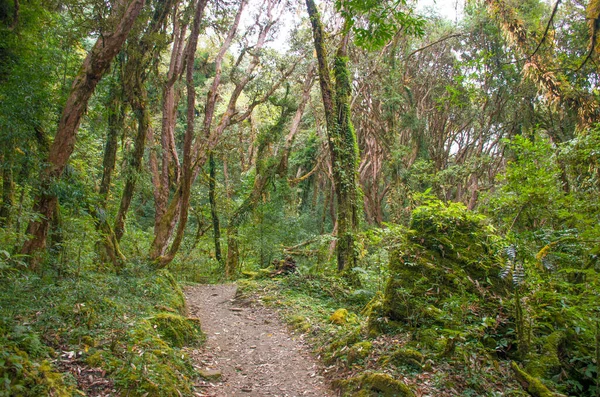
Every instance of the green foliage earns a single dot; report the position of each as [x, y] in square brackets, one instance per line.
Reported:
[118, 323]
[375, 23]
[528, 196]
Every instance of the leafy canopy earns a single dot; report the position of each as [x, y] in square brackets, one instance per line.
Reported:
[374, 22]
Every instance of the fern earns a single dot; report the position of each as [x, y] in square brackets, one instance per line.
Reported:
[513, 270]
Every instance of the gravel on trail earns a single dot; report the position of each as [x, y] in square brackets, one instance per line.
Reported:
[248, 351]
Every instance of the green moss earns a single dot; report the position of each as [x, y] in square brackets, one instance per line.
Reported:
[365, 393]
[447, 254]
[430, 339]
[339, 317]
[374, 384]
[23, 376]
[250, 274]
[358, 351]
[179, 331]
[547, 362]
[349, 339]
[176, 299]
[533, 385]
[95, 359]
[406, 357]
[300, 323]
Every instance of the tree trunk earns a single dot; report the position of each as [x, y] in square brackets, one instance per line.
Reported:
[116, 123]
[343, 146]
[108, 245]
[140, 57]
[135, 165]
[94, 66]
[187, 173]
[170, 171]
[7, 192]
[213, 207]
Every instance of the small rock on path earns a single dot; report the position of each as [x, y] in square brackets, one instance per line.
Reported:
[254, 352]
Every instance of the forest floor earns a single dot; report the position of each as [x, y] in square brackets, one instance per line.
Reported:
[251, 350]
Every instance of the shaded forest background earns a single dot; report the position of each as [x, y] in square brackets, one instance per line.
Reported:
[217, 138]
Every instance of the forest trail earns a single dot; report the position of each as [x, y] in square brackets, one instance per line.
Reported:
[255, 354]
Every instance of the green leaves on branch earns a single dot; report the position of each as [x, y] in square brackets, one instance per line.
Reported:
[374, 22]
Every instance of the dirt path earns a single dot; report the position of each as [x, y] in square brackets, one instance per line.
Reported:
[248, 345]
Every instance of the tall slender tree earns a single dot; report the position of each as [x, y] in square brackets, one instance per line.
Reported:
[343, 147]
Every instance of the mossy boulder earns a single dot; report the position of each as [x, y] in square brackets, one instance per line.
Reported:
[448, 252]
[177, 330]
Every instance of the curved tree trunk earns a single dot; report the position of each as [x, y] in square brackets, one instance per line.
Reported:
[94, 66]
[141, 56]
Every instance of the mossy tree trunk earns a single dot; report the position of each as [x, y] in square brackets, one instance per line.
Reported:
[213, 206]
[94, 66]
[343, 147]
[108, 246]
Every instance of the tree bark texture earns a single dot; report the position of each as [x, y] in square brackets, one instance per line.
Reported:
[94, 66]
[170, 171]
[116, 123]
[343, 146]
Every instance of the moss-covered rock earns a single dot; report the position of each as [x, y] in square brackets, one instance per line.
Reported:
[177, 330]
[339, 317]
[448, 253]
